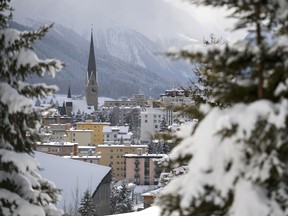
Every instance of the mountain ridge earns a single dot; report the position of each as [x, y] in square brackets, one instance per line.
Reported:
[116, 77]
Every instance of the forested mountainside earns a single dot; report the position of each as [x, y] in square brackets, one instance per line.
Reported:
[127, 62]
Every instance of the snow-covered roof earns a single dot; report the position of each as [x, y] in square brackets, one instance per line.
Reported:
[145, 155]
[60, 143]
[82, 157]
[68, 174]
[78, 104]
[122, 146]
[121, 129]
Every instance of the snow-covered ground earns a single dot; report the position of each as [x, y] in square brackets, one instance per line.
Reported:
[151, 211]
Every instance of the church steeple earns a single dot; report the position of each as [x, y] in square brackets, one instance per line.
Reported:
[91, 84]
[69, 92]
[91, 60]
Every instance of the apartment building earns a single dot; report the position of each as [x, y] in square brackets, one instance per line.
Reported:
[137, 100]
[58, 148]
[113, 156]
[58, 132]
[83, 137]
[143, 169]
[151, 119]
[96, 127]
[117, 134]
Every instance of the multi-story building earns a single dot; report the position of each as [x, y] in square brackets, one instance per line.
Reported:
[143, 169]
[151, 119]
[113, 156]
[117, 134]
[137, 100]
[121, 115]
[152, 116]
[56, 119]
[70, 150]
[58, 148]
[83, 137]
[96, 127]
[58, 132]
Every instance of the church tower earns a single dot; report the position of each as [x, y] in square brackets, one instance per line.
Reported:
[91, 81]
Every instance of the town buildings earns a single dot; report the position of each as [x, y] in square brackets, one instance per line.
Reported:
[96, 127]
[83, 137]
[112, 155]
[117, 134]
[143, 169]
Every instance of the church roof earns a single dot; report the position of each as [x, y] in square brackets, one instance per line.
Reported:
[69, 92]
[91, 60]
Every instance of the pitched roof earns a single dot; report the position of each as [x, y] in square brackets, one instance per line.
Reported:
[68, 174]
[91, 60]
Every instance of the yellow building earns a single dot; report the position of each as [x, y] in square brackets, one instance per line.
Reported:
[83, 137]
[97, 127]
[113, 156]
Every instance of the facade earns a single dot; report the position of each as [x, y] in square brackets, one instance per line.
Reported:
[59, 149]
[83, 137]
[123, 115]
[89, 159]
[91, 81]
[58, 132]
[56, 119]
[113, 156]
[138, 100]
[96, 127]
[142, 169]
[151, 119]
[116, 134]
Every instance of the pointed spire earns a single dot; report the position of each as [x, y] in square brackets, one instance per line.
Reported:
[69, 92]
[91, 60]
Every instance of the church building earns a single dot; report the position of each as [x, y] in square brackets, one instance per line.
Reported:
[91, 80]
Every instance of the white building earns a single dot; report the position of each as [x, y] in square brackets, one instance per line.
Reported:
[151, 119]
[116, 134]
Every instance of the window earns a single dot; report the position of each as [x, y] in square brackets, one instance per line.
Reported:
[146, 116]
[155, 116]
[146, 121]
[111, 157]
[156, 126]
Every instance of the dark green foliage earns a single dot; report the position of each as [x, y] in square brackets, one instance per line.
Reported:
[86, 205]
[240, 77]
[20, 120]
[121, 201]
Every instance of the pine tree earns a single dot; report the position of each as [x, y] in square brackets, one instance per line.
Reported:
[237, 155]
[86, 206]
[22, 190]
[121, 201]
[163, 125]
